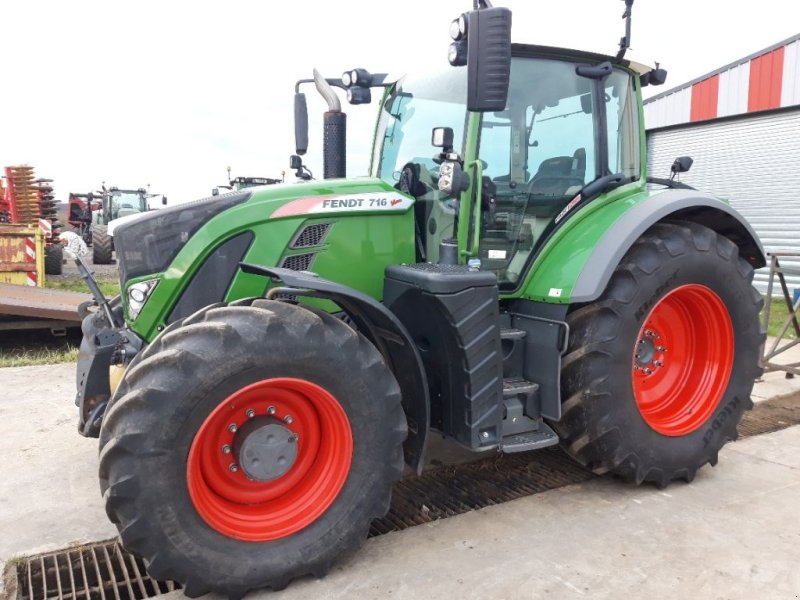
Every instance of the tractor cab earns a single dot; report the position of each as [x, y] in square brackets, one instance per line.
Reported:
[121, 203]
[566, 124]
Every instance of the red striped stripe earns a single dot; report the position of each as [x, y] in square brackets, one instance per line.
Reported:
[766, 77]
[705, 96]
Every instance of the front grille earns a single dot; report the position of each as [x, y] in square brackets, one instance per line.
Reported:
[311, 235]
[298, 262]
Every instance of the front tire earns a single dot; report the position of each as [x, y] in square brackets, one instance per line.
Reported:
[659, 369]
[165, 458]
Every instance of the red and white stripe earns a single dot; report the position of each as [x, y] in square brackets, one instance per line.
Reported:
[767, 81]
[30, 249]
[46, 227]
[31, 279]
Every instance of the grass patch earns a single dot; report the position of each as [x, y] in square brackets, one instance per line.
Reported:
[109, 287]
[26, 357]
[777, 317]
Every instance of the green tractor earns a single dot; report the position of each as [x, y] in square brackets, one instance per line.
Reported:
[507, 277]
[117, 206]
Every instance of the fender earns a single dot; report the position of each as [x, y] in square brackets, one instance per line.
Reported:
[604, 249]
[388, 335]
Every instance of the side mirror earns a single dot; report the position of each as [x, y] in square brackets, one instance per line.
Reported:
[657, 76]
[164, 200]
[300, 124]
[487, 32]
[215, 192]
[442, 137]
[295, 162]
[682, 164]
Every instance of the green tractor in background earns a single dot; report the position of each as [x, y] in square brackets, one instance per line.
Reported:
[117, 206]
[507, 276]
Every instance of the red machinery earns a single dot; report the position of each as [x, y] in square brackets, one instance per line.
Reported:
[28, 201]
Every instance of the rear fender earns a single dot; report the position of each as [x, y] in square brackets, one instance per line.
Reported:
[386, 333]
[595, 252]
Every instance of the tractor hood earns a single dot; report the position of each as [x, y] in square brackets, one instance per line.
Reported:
[150, 243]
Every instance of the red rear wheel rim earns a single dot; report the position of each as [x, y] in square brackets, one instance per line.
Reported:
[258, 511]
[683, 360]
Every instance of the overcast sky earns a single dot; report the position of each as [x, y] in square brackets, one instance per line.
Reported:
[171, 93]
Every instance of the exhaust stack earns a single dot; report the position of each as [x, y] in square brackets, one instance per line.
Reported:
[334, 137]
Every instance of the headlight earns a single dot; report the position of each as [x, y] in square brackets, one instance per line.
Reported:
[138, 293]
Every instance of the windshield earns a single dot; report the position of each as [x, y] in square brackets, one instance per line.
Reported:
[414, 107]
[126, 203]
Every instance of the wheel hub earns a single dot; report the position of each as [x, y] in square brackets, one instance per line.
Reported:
[264, 449]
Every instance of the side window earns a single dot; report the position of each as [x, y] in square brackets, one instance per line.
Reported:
[560, 134]
[623, 125]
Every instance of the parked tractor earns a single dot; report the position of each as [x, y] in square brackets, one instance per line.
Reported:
[506, 277]
[96, 215]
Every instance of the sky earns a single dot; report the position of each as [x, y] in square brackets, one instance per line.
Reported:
[171, 93]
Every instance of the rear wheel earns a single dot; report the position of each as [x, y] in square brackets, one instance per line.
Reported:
[660, 368]
[102, 245]
[249, 445]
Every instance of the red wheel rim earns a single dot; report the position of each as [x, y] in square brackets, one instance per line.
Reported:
[258, 511]
[683, 360]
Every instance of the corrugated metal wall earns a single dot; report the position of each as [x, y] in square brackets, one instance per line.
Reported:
[754, 162]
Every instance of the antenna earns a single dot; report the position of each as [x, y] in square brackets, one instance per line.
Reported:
[625, 41]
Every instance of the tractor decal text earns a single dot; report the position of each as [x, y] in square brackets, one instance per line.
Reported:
[371, 201]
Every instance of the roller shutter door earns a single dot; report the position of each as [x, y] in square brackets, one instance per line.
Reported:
[753, 162]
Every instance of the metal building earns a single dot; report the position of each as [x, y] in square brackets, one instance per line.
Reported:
[741, 125]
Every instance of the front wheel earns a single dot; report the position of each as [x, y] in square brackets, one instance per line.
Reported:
[660, 368]
[249, 445]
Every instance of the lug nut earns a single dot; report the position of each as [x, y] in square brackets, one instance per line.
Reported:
[226, 449]
[250, 413]
[485, 435]
[648, 371]
[288, 419]
[232, 427]
[271, 410]
[661, 349]
[658, 363]
[233, 467]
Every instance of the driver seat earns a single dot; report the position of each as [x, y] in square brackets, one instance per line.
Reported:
[558, 174]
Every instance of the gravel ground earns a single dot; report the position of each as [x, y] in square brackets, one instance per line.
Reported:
[70, 272]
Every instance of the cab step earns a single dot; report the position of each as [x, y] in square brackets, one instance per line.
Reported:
[531, 440]
[515, 386]
[511, 333]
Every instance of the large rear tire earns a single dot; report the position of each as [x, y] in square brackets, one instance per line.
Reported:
[659, 369]
[169, 440]
[102, 245]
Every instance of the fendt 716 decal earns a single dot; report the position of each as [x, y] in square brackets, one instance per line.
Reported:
[367, 202]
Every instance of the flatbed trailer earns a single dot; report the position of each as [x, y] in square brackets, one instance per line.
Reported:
[26, 307]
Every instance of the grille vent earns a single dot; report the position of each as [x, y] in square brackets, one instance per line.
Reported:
[298, 262]
[311, 235]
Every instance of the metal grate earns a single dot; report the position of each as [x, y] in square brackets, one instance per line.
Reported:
[298, 262]
[102, 571]
[311, 235]
[105, 571]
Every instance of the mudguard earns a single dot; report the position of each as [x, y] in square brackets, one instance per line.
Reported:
[388, 335]
[577, 265]
[678, 204]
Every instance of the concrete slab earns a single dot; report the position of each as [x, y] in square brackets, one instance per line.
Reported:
[733, 533]
[49, 495]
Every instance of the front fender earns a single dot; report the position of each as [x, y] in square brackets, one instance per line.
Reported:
[386, 332]
[577, 265]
